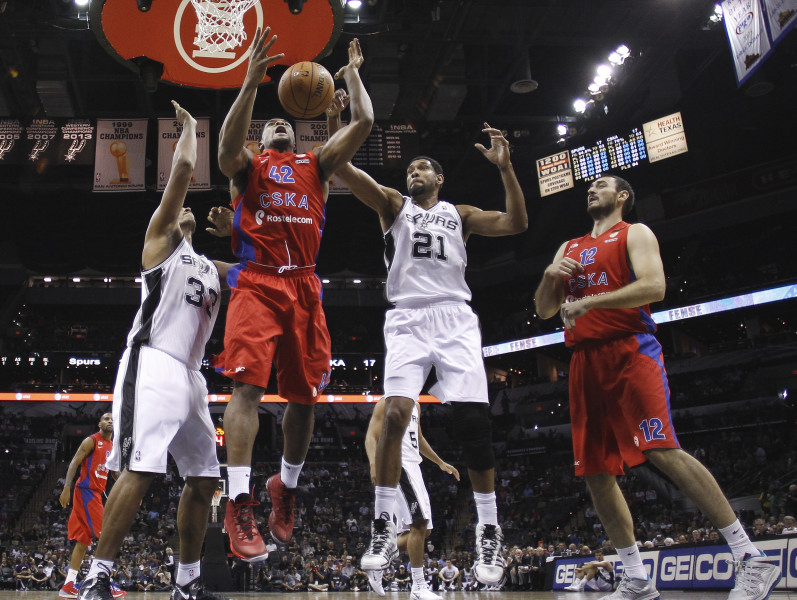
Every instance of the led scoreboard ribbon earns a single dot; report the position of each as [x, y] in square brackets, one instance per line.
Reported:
[654, 141]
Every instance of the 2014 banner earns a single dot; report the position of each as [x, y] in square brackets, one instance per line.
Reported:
[169, 131]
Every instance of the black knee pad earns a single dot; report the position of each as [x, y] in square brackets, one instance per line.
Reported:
[473, 431]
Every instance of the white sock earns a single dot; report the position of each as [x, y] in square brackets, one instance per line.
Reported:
[486, 508]
[632, 562]
[290, 474]
[71, 576]
[238, 478]
[737, 539]
[384, 499]
[417, 576]
[100, 566]
[186, 573]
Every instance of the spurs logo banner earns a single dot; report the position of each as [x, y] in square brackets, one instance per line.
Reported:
[39, 145]
[781, 17]
[76, 142]
[169, 131]
[747, 35]
[10, 144]
[119, 155]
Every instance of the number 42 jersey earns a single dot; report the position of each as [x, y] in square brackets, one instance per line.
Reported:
[179, 305]
[425, 255]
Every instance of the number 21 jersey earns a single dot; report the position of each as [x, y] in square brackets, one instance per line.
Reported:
[425, 255]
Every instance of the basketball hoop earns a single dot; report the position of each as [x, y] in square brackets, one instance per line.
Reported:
[220, 26]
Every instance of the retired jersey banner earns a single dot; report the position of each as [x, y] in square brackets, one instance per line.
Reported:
[169, 131]
[311, 135]
[10, 141]
[40, 144]
[119, 155]
[747, 35]
[76, 142]
[781, 17]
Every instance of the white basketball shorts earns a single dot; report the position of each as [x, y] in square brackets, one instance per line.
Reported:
[160, 406]
[445, 335]
[412, 499]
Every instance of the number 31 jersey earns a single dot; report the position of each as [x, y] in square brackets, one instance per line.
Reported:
[425, 255]
[179, 305]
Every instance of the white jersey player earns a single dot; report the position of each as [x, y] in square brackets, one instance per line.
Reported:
[433, 326]
[160, 399]
[412, 510]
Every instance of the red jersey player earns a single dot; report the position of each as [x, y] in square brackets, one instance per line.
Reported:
[85, 521]
[601, 285]
[275, 315]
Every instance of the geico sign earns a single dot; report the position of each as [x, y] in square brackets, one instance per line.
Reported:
[565, 573]
[714, 567]
[708, 567]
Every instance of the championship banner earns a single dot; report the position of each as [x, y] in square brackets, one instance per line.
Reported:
[76, 142]
[10, 144]
[119, 155]
[169, 131]
[665, 137]
[554, 173]
[310, 135]
[747, 35]
[39, 136]
[253, 136]
[781, 17]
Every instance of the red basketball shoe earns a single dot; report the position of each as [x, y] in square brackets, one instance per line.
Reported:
[280, 521]
[245, 540]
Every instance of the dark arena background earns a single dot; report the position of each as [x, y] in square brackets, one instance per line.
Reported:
[709, 146]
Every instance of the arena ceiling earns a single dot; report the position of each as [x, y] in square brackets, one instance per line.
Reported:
[446, 67]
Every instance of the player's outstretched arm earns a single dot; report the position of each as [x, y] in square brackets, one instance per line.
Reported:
[342, 146]
[372, 436]
[495, 223]
[86, 447]
[385, 201]
[163, 232]
[550, 293]
[233, 156]
[427, 451]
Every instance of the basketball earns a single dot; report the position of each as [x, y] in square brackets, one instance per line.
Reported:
[305, 90]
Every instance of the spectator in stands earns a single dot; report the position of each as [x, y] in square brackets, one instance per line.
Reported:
[449, 577]
[789, 526]
[537, 569]
[292, 582]
[790, 502]
[403, 578]
[163, 579]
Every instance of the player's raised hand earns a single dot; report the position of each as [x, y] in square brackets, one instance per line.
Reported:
[221, 218]
[339, 103]
[498, 152]
[355, 58]
[183, 116]
[259, 60]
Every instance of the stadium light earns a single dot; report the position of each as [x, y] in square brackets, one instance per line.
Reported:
[579, 105]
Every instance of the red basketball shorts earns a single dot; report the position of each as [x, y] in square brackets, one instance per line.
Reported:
[277, 318]
[619, 404]
[85, 522]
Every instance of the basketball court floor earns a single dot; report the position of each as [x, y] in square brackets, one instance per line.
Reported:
[668, 595]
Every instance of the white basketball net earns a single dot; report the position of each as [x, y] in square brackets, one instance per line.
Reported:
[220, 26]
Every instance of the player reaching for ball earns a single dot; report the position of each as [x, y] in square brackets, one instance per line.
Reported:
[275, 312]
[432, 325]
